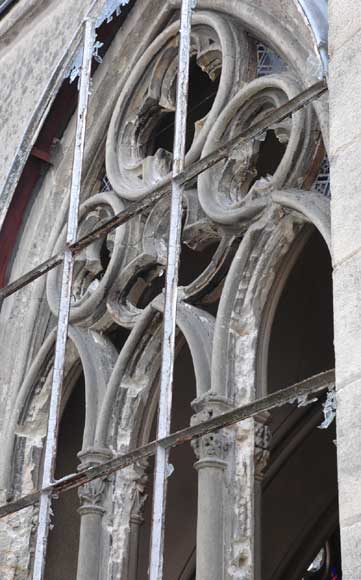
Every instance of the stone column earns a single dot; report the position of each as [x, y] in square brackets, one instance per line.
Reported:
[91, 511]
[345, 155]
[211, 451]
[262, 436]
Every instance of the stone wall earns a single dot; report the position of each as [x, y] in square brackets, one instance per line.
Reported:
[345, 145]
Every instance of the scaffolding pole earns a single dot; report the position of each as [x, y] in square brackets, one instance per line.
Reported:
[64, 306]
[170, 299]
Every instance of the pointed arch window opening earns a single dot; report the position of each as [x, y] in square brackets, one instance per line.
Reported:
[165, 440]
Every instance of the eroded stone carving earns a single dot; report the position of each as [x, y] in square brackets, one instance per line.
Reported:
[237, 191]
[262, 436]
[96, 267]
[231, 194]
[91, 494]
[212, 447]
[140, 497]
[135, 163]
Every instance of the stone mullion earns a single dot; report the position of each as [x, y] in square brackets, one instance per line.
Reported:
[212, 452]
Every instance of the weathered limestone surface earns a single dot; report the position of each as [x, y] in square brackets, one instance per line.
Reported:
[25, 317]
[29, 71]
[345, 132]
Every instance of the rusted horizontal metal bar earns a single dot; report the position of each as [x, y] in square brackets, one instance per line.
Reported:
[187, 175]
[312, 385]
[32, 275]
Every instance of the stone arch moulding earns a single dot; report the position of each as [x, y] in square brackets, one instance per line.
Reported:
[315, 211]
[133, 384]
[315, 13]
[250, 277]
[128, 407]
[226, 192]
[97, 356]
[236, 341]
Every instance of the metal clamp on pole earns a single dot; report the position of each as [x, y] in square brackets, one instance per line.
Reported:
[64, 306]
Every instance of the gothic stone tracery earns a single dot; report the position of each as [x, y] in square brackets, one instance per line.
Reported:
[250, 207]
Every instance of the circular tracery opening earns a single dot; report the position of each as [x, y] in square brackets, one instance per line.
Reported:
[201, 95]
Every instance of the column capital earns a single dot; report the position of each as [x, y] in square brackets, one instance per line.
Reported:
[211, 404]
[211, 449]
[91, 494]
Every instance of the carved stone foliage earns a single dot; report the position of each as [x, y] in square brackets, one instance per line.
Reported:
[139, 497]
[91, 494]
[212, 448]
[262, 434]
[136, 158]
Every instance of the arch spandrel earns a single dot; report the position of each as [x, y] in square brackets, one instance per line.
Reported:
[312, 206]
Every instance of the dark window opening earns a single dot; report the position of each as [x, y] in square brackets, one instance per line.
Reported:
[193, 262]
[201, 95]
[299, 489]
[63, 544]
[270, 155]
[149, 285]
[181, 512]
[301, 342]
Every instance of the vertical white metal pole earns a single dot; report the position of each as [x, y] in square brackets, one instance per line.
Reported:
[170, 302]
[64, 306]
